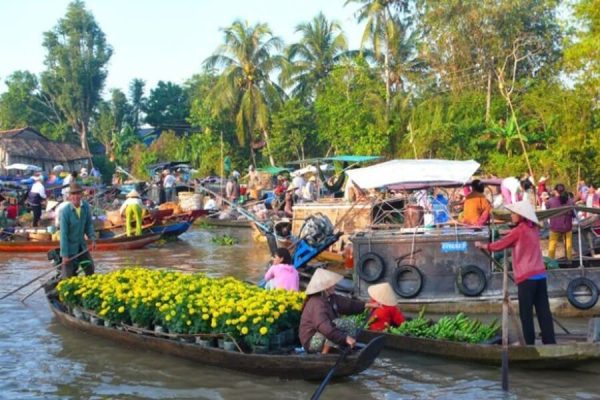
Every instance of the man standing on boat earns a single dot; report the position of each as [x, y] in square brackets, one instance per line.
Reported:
[36, 196]
[528, 269]
[75, 224]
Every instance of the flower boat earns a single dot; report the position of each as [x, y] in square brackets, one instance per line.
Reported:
[186, 305]
[111, 244]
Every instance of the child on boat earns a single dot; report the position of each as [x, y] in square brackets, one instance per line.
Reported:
[386, 312]
[282, 274]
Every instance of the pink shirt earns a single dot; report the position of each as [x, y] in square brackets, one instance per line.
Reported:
[284, 276]
[527, 255]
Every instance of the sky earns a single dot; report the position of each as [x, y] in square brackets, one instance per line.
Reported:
[156, 39]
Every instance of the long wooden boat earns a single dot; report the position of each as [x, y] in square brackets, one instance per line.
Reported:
[299, 366]
[229, 223]
[571, 350]
[121, 243]
[171, 231]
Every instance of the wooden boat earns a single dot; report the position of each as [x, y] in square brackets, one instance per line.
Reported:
[303, 366]
[571, 350]
[171, 231]
[229, 223]
[120, 243]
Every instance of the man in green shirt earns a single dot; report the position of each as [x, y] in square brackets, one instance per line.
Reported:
[75, 222]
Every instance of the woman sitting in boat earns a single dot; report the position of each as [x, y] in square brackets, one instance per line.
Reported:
[385, 313]
[282, 274]
[528, 269]
[320, 324]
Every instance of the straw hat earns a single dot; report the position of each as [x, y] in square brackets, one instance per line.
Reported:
[291, 187]
[312, 179]
[524, 209]
[383, 294]
[543, 179]
[322, 279]
[74, 188]
[133, 193]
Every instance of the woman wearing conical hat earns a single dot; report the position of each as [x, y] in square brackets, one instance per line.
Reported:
[385, 313]
[320, 324]
[133, 209]
[529, 270]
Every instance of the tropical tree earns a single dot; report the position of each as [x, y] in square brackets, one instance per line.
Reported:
[379, 30]
[314, 57]
[244, 87]
[138, 102]
[168, 106]
[76, 64]
[110, 121]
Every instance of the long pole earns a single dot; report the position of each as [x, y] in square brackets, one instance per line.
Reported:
[505, 301]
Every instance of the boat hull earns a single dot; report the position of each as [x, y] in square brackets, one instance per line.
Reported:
[304, 366]
[564, 354]
[124, 243]
[230, 223]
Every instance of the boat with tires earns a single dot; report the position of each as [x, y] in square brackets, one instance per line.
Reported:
[439, 266]
[284, 365]
[571, 351]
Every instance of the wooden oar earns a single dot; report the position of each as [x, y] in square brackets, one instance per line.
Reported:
[340, 359]
[26, 284]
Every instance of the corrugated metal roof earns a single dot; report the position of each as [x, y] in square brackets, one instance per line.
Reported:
[43, 150]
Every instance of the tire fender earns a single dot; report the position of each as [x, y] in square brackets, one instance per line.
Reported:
[480, 281]
[397, 278]
[572, 293]
[370, 267]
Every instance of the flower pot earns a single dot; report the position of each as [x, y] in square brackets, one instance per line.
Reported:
[260, 349]
[77, 313]
[221, 343]
[186, 339]
[290, 336]
[275, 342]
[108, 323]
[95, 320]
[229, 345]
[205, 342]
[159, 329]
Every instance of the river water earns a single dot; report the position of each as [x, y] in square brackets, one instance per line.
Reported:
[40, 359]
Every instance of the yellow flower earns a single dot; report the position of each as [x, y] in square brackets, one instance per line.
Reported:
[263, 330]
[244, 330]
[188, 322]
[121, 310]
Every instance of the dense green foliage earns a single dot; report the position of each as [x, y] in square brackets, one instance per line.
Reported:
[492, 81]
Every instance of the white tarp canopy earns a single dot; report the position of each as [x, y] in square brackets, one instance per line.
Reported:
[412, 171]
[23, 167]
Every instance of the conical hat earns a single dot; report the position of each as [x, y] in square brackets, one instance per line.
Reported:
[51, 204]
[383, 294]
[322, 279]
[133, 193]
[524, 209]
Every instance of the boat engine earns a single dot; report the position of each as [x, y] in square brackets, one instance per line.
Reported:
[316, 229]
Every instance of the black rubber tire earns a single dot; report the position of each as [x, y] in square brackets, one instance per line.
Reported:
[481, 282]
[572, 296]
[396, 279]
[368, 274]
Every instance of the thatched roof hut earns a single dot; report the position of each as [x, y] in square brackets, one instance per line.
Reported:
[28, 146]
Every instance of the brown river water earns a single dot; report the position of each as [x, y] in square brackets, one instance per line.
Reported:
[40, 359]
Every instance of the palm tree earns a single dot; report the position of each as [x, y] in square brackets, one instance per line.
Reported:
[379, 29]
[314, 57]
[244, 86]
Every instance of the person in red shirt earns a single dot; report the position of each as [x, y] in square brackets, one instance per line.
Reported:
[12, 211]
[529, 270]
[386, 313]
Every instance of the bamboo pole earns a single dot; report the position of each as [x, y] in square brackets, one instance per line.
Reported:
[505, 303]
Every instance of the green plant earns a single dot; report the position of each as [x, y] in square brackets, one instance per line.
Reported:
[224, 240]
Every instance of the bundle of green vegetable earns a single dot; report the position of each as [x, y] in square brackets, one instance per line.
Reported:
[224, 240]
[459, 328]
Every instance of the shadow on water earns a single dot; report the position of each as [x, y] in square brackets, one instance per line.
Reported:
[41, 359]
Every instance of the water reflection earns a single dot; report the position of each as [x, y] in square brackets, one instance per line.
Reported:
[41, 359]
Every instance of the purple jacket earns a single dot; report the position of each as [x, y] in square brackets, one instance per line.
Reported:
[562, 223]
[284, 276]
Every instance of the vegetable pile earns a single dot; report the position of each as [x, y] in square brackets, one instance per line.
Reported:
[459, 328]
